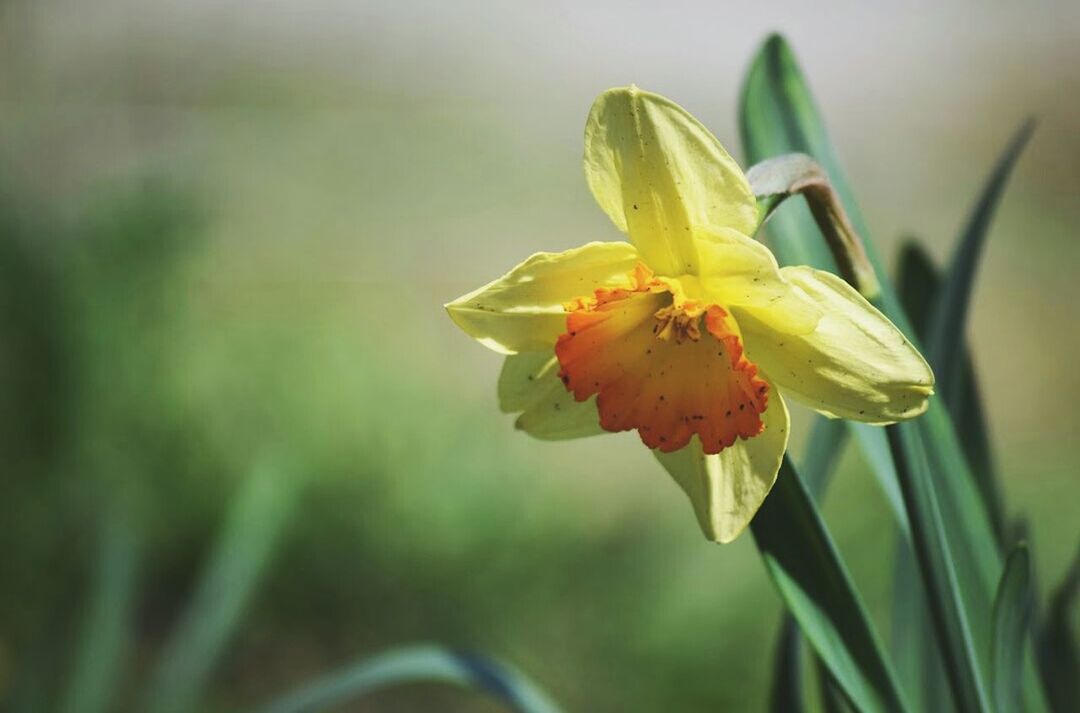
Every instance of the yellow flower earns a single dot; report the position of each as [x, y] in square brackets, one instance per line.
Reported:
[690, 332]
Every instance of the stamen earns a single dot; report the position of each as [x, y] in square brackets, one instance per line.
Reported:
[681, 322]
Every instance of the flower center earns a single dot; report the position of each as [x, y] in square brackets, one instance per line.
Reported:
[678, 323]
[643, 351]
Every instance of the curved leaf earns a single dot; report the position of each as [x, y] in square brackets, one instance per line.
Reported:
[415, 664]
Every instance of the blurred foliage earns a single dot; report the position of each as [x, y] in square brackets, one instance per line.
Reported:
[133, 395]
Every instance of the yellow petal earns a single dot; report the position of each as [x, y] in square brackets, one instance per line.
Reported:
[738, 271]
[658, 173]
[728, 488]
[523, 310]
[856, 364]
[530, 384]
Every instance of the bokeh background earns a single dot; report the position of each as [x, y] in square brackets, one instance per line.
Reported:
[226, 232]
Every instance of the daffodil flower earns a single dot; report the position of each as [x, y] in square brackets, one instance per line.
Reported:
[690, 333]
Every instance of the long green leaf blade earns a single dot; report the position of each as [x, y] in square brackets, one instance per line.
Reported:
[946, 330]
[940, 574]
[416, 664]
[1012, 617]
[808, 572]
[919, 283]
[914, 647]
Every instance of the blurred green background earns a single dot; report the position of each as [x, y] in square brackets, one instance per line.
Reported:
[226, 233]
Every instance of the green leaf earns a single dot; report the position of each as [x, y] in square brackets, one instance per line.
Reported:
[974, 531]
[919, 283]
[237, 562]
[107, 630]
[946, 328]
[416, 664]
[1012, 617]
[940, 574]
[807, 570]
[913, 646]
[1059, 654]
[949, 317]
